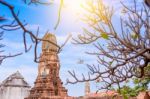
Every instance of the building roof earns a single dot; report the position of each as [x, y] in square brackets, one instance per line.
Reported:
[103, 94]
[15, 80]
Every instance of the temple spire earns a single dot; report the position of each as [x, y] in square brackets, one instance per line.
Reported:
[87, 88]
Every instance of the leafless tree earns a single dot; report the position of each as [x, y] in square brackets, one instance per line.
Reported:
[126, 49]
[26, 33]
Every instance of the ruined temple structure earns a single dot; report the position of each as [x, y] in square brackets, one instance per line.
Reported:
[48, 84]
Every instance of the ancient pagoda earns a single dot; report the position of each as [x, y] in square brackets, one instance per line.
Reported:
[48, 84]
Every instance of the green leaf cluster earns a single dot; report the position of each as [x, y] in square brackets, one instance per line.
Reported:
[105, 36]
[140, 84]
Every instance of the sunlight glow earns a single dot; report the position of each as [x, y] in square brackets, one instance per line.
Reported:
[74, 4]
[72, 9]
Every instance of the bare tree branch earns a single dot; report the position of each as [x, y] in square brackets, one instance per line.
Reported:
[127, 47]
[18, 24]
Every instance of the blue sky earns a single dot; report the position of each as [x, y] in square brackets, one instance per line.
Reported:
[46, 17]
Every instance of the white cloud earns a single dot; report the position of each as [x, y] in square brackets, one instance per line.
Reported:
[61, 39]
[13, 44]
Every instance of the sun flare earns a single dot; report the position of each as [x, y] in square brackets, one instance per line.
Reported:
[74, 5]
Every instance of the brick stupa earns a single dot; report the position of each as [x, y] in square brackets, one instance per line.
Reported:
[48, 84]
